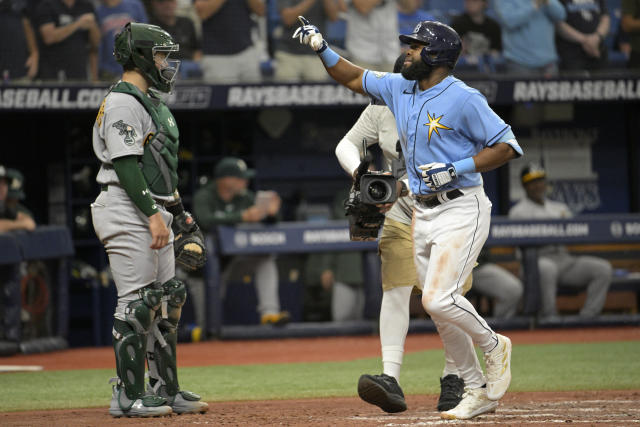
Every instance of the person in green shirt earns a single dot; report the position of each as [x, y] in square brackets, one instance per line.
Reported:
[227, 200]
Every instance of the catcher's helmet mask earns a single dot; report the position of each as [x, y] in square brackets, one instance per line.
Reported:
[442, 44]
[137, 45]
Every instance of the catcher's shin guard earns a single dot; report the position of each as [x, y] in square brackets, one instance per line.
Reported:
[129, 336]
[161, 348]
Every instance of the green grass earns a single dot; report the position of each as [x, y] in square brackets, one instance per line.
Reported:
[550, 367]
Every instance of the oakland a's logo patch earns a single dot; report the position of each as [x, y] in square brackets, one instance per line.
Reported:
[434, 124]
[126, 130]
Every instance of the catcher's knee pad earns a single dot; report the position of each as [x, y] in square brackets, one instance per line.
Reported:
[163, 356]
[129, 335]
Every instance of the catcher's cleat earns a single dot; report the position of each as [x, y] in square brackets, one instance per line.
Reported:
[184, 402]
[451, 390]
[147, 406]
[498, 365]
[382, 391]
[276, 319]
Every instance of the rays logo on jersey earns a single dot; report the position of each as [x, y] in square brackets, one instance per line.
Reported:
[434, 124]
[126, 130]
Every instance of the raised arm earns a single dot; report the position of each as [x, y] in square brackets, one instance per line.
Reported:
[341, 70]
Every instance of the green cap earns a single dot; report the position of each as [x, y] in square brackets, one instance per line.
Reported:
[16, 184]
[233, 166]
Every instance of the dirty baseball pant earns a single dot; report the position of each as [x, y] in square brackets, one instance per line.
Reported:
[447, 240]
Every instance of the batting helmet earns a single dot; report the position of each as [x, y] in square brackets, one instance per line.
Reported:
[442, 45]
[136, 46]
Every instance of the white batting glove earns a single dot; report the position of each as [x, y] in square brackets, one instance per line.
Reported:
[309, 34]
[437, 175]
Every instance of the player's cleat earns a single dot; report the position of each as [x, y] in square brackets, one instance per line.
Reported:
[148, 405]
[474, 402]
[276, 319]
[498, 365]
[382, 391]
[451, 390]
[186, 402]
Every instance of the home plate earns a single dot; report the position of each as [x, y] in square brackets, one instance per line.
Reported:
[20, 368]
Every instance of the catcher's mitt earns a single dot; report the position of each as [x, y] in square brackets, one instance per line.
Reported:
[364, 219]
[188, 242]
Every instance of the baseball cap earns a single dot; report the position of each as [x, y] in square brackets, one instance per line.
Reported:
[233, 166]
[531, 172]
[16, 184]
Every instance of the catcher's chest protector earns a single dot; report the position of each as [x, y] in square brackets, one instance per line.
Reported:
[159, 161]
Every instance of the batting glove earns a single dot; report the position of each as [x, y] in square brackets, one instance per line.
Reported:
[437, 175]
[310, 35]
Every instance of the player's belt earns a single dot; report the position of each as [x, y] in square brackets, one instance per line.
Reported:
[433, 200]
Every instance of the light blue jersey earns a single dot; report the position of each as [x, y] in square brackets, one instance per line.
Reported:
[448, 122]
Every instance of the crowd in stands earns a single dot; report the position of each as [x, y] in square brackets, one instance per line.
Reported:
[250, 40]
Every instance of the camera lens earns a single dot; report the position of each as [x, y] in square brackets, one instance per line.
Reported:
[378, 190]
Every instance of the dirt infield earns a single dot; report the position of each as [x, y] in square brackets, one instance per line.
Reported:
[619, 408]
[584, 407]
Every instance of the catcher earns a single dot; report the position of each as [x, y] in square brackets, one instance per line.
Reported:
[136, 217]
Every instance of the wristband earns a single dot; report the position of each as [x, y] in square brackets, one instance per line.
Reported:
[465, 166]
[175, 208]
[328, 56]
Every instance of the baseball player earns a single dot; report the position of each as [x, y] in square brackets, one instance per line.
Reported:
[135, 137]
[449, 135]
[555, 263]
[378, 125]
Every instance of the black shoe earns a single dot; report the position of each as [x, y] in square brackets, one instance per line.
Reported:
[451, 389]
[382, 391]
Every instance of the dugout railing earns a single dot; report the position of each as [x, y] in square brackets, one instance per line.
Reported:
[333, 236]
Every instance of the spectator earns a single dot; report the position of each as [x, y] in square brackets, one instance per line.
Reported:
[555, 264]
[294, 62]
[227, 201]
[13, 215]
[69, 40]
[580, 39]
[528, 35]
[631, 25]
[183, 31]
[499, 284]
[372, 33]
[112, 16]
[481, 39]
[229, 50]
[410, 12]
[338, 275]
[18, 46]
